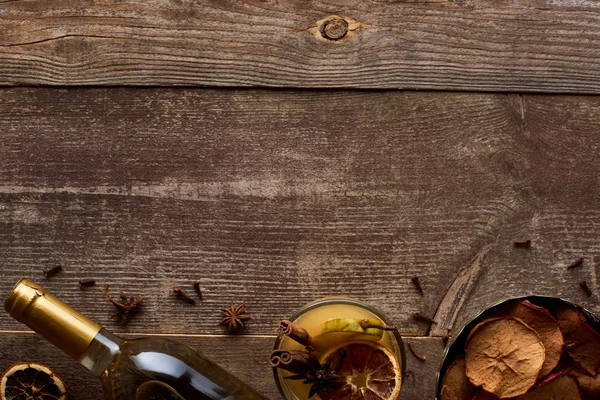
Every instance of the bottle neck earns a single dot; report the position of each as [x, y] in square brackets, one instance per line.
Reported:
[58, 323]
[101, 351]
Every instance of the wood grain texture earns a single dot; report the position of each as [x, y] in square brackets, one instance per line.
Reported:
[524, 45]
[276, 198]
[272, 198]
[245, 357]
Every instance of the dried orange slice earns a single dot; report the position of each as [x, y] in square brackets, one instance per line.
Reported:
[504, 356]
[370, 372]
[31, 381]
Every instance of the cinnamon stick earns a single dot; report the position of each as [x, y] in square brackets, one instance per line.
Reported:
[295, 332]
[295, 361]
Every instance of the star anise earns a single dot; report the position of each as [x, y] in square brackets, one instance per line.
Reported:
[322, 380]
[125, 305]
[234, 316]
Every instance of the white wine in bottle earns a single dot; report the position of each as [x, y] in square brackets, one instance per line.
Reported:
[138, 369]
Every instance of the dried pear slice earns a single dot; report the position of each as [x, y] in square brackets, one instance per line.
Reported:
[556, 387]
[456, 385]
[336, 331]
[504, 356]
[544, 324]
[582, 342]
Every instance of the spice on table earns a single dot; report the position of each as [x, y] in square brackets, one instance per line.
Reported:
[52, 271]
[125, 306]
[584, 286]
[197, 289]
[234, 317]
[182, 295]
[415, 280]
[414, 353]
[86, 283]
[522, 243]
[576, 263]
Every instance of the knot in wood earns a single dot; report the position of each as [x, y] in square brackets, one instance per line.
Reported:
[334, 29]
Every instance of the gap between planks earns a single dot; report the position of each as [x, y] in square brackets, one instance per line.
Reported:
[199, 335]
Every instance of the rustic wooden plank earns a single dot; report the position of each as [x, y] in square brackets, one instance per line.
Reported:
[557, 173]
[274, 198]
[524, 45]
[245, 357]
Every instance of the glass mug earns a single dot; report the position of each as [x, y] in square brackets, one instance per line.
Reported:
[352, 347]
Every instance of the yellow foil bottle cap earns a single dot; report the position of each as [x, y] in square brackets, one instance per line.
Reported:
[58, 323]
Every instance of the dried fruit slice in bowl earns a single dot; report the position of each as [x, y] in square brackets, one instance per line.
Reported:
[544, 324]
[504, 356]
[505, 345]
[582, 342]
[31, 381]
[558, 386]
[456, 385]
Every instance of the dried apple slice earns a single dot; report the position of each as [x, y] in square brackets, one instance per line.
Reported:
[589, 385]
[504, 356]
[483, 395]
[556, 387]
[544, 324]
[582, 342]
[456, 385]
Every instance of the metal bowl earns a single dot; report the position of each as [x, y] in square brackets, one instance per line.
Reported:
[458, 345]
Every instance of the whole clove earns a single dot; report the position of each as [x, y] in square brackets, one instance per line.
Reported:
[197, 289]
[125, 306]
[296, 333]
[576, 263]
[522, 243]
[415, 280]
[52, 271]
[424, 318]
[182, 295]
[295, 361]
[86, 283]
[584, 286]
[414, 353]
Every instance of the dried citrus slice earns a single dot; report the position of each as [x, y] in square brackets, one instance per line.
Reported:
[504, 356]
[556, 387]
[456, 385]
[370, 372]
[544, 324]
[31, 381]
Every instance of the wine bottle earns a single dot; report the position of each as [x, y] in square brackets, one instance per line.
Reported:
[135, 369]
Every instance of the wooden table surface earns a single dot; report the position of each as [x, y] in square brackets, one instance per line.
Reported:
[149, 144]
